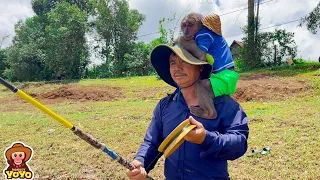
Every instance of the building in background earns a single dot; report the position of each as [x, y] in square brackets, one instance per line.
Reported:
[235, 49]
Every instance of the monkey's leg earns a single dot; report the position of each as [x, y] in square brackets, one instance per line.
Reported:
[205, 97]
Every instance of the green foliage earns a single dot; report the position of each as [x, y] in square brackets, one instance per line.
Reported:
[271, 48]
[50, 45]
[118, 26]
[138, 60]
[26, 57]
[99, 71]
[2, 61]
[312, 20]
[300, 61]
[166, 36]
[65, 48]
[42, 7]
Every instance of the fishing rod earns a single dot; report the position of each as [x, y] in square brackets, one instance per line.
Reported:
[86, 137]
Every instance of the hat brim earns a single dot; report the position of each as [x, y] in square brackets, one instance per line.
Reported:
[160, 61]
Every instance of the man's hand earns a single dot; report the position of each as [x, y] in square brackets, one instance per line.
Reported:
[139, 173]
[196, 135]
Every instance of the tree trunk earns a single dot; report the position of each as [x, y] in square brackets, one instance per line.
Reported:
[257, 21]
[251, 49]
[107, 52]
[275, 55]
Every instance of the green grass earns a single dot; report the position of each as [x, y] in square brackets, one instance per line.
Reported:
[290, 127]
[287, 71]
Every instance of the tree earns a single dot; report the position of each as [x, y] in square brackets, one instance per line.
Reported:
[118, 26]
[312, 20]
[66, 49]
[42, 7]
[26, 57]
[2, 61]
[138, 61]
[284, 45]
[272, 47]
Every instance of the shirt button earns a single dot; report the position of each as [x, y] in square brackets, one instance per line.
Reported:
[179, 170]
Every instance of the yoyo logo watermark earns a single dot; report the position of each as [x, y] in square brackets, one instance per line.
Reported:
[17, 155]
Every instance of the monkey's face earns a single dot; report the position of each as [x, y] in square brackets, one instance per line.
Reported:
[18, 157]
[190, 25]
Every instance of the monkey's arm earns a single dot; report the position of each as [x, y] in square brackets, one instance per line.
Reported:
[192, 47]
[175, 42]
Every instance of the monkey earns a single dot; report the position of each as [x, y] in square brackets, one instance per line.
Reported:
[190, 25]
[199, 34]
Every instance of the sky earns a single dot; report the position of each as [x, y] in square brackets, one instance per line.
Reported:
[233, 14]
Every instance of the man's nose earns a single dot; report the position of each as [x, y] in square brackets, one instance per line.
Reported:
[179, 65]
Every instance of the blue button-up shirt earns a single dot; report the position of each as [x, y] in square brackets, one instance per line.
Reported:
[226, 139]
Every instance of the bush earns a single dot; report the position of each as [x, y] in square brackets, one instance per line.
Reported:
[300, 61]
[239, 64]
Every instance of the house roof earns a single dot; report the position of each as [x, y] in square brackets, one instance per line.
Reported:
[237, 42]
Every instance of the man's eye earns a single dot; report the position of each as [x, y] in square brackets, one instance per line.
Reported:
[190, 25]
[15, 155]
[20, 155]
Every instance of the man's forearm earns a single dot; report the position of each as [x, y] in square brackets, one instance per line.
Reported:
[227, 146]
[231, 142]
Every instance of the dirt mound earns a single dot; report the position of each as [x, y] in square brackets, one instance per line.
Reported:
[262, 87]
[83, 93]
[259, 86]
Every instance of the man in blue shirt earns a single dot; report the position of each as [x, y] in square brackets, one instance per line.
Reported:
[207, 148]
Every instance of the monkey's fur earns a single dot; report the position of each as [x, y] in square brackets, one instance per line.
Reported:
[190, 25]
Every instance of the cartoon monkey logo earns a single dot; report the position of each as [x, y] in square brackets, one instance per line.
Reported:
[17, 157]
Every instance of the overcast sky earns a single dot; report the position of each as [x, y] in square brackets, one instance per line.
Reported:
[272, 12]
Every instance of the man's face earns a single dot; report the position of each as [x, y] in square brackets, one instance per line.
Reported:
[184, 74]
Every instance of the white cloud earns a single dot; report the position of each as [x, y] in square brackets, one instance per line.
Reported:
[10, 13]
[271, 13]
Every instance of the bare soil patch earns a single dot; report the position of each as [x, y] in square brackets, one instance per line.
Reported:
[82, 93]
[254, 87]
[263, 87]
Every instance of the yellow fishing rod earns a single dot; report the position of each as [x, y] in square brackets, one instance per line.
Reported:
[88, 138]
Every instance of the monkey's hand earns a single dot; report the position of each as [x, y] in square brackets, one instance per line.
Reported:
[175, 42]
[183, 43]
[192, 47]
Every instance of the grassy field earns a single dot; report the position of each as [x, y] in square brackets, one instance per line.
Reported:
[289, 126]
